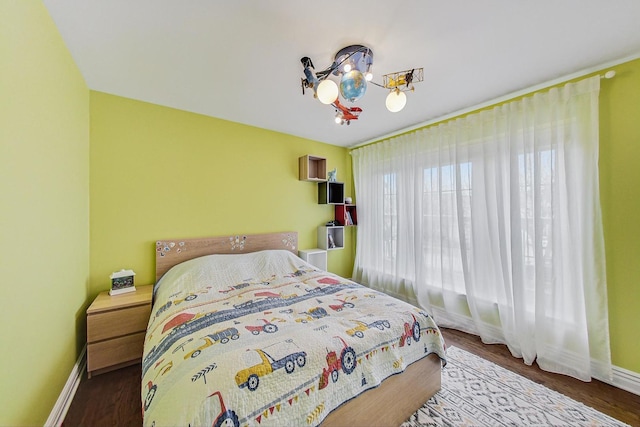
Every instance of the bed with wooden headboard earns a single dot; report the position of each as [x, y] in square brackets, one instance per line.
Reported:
[185, 310]
[176, 251]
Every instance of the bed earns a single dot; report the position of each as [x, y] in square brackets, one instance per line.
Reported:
[244, 333]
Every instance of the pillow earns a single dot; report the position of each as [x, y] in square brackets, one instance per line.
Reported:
[224, 270]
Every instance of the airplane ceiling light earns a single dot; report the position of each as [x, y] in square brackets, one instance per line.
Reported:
[352, 65]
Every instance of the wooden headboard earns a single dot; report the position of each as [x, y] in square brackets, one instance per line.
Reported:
[172, 252]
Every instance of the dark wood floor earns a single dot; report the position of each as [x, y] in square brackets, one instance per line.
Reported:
[113, 399]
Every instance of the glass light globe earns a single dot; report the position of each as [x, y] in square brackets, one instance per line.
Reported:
[368, 76]
[327, 91]
[353, 85]
[396, 100]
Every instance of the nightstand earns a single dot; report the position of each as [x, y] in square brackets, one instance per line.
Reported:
[116, 328]
[316, 257]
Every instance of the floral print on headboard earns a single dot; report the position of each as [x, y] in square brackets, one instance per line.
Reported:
[289, 241]
[237, 242]
[164, 247]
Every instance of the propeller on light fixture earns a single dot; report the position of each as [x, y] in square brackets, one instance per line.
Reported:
[397, 99]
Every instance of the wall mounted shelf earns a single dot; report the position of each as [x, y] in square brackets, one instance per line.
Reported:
[330, 237]
[346, 214]
[312, 168]
[331, 193]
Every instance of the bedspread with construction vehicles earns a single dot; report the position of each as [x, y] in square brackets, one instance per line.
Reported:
[266, 339]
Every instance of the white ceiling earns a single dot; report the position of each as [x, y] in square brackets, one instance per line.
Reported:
[240, 60]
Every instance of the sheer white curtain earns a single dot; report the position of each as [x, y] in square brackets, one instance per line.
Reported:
[492, 221]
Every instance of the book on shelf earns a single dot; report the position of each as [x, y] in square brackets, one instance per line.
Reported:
[348, 220]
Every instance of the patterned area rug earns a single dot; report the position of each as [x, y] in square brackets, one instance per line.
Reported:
[476, 392]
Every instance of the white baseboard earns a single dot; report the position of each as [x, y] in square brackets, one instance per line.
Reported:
[626, 380]
[59, 411]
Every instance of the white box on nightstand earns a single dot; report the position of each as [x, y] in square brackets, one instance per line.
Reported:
[316, 257]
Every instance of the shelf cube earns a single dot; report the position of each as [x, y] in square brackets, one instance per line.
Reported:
[331, 192]
[312, 168]
[330, 237]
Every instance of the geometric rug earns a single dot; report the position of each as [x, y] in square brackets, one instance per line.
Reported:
[476, 392]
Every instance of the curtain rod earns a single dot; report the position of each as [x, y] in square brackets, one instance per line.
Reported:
[598, 68]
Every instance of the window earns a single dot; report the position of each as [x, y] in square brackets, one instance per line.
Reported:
[498, 209]
[390, 219]
[536, 172]
[446, 192]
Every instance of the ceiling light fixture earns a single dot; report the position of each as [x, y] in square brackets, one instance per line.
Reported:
[396, 101]
[352, 65]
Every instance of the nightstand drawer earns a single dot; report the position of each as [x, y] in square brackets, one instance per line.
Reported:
[118, 350]
[105, 325]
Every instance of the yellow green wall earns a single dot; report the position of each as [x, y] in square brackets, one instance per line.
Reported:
[44, 212]
[620, 199]
[160, 173]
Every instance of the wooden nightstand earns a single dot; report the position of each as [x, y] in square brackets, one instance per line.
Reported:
[116, 328]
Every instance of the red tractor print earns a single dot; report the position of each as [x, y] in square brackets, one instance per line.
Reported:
[410, 331]
[268, 327]
[343, 304]
[347, 362]
[226, 417]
